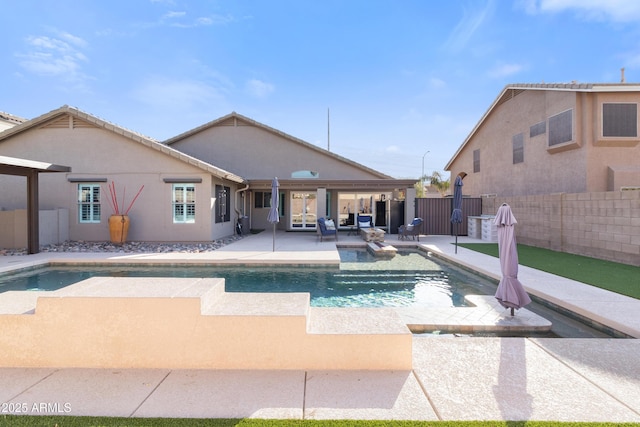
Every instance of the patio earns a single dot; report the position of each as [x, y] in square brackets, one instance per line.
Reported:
[461, 378]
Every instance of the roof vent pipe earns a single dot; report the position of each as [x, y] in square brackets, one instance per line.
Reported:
[622, 75]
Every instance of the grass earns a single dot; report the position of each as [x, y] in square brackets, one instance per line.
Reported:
[69, 421]
[612, 276]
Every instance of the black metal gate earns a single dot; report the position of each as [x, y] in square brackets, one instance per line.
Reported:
[436, 212]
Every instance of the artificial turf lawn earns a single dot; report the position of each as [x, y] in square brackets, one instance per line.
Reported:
[612, 276]
[70, 421]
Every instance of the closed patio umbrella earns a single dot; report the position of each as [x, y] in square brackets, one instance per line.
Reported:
[274, 216]
[510, 292]
[456, 215]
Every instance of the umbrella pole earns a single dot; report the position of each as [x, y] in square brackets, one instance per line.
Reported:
[456, 238]
[274, 238]
[512, 311]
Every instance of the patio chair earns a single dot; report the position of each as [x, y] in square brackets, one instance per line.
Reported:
[326, 227]
[412, 230]
[364, 221]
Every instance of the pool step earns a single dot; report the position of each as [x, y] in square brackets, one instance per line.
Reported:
[485, 316]
[381, 250]
[187, 323]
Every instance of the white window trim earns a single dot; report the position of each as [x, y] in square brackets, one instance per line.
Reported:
[92, 203]
[184, 218]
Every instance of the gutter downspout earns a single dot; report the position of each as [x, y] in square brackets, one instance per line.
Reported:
[235, 202]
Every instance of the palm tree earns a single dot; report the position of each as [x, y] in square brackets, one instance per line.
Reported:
[435, 180]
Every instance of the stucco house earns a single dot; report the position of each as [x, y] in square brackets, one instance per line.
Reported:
[179, 196]
[197, 186]
[313, 182]
[9, 120]
[553, 138]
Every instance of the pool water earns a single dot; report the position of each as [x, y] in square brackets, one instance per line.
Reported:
[409, 279]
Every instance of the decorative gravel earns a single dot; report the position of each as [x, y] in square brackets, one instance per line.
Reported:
[130, 247]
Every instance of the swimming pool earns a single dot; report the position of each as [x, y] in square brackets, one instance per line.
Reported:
[409, 279]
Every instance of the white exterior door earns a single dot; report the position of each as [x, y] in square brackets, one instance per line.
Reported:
[303, 210]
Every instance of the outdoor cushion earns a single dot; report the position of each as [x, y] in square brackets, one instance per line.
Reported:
[329, 224]
[365, 224]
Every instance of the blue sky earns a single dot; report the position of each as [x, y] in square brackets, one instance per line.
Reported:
[399, 78]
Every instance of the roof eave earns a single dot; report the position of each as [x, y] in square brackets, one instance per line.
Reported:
[340, 184]
[149, 142]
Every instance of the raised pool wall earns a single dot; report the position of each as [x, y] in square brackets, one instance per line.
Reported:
[171, 323]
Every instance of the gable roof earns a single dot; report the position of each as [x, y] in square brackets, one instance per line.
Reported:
[10, 118]
[236, 116]
[134, 136]
[511, 90]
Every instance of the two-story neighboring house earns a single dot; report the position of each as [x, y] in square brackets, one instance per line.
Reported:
[553, 138]
[563, 157]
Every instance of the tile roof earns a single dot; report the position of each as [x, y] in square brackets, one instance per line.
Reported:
[11, 118]
[135, 136]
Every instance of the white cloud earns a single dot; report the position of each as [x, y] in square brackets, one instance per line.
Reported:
[182, 20]
[471, 21]
[54, 56]
[592, 10]
[71, 39]
[172, 15]
[164, 93]
[258, 88]
[437, 83]
[505, 70]
[392, 149]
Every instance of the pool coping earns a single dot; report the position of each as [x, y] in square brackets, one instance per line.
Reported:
[606, 308]
[419, 320]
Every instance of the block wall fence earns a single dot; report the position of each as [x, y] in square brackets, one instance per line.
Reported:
[604, 225]
[54, 227]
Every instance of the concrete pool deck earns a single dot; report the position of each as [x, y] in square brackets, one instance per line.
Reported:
[461, 378]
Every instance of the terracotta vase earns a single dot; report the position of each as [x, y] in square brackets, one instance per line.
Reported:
[118, 228]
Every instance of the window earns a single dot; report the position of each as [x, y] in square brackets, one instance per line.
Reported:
[518, 148]
[89, 203]
[538, 129]
[305, 174]
[223, 204]
[184, 203]
[476, 160]
[262, 199]
[561, 128]
[620, 120]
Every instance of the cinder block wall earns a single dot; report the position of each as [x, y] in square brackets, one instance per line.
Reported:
[603, 225]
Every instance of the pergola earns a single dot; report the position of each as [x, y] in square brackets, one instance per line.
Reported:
[30, 169]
